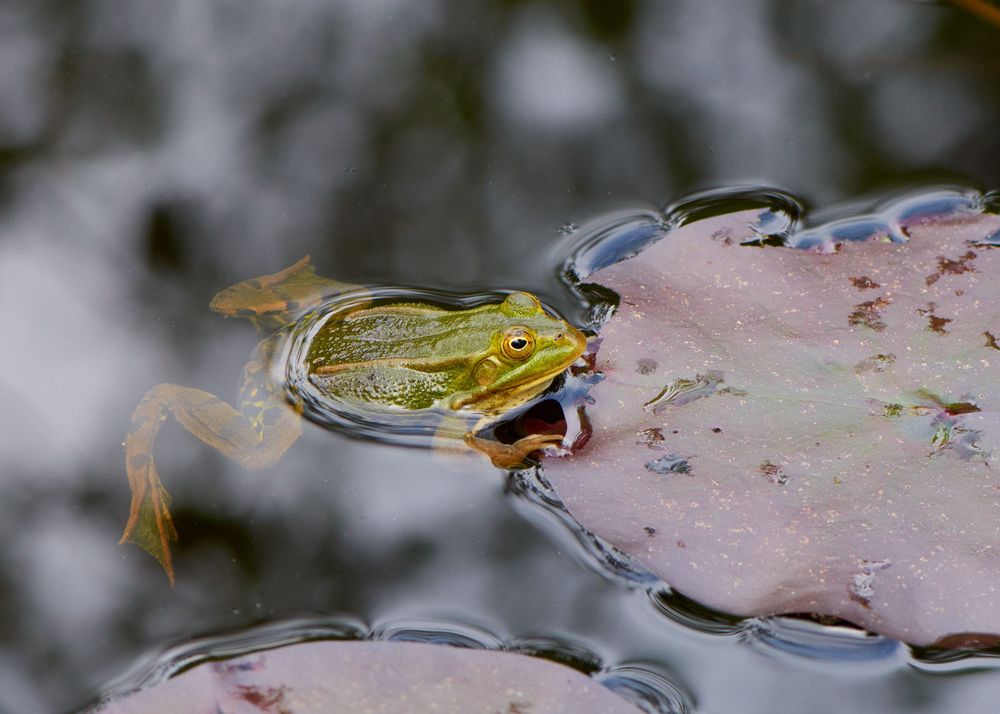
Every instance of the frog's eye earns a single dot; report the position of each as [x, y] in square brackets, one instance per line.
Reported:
[521, 304]
[518, 343]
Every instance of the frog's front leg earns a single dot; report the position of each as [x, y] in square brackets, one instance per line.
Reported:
[511, 456]
[255, 436]
[457, 429]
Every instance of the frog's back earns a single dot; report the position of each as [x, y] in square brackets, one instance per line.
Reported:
[404, 331]
[405, 355]
[414, 355]
[387, 385]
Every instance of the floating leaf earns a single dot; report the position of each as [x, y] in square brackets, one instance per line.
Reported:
[385, 677]
[782, 430]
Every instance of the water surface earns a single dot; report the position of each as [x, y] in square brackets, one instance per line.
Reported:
[152, 153]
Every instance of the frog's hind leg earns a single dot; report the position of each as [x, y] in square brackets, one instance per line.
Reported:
[255, 437]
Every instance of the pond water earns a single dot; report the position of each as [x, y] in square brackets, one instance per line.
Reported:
[152, 153]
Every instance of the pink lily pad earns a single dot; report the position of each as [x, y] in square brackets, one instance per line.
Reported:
[783, 430]
[376, 677]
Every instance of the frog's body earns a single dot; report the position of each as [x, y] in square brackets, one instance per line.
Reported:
[484, 360]
[419, 356]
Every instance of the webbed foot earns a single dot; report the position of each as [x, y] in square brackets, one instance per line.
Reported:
[213, 422]
[149, 523]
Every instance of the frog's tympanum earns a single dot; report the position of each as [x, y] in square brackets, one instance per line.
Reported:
[405, 356]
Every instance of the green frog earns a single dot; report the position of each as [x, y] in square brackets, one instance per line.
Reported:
[472, 365]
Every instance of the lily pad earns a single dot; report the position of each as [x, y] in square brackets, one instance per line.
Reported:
[781, 430]
[376, 677]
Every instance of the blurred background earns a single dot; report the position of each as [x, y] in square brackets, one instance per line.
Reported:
[153, 152]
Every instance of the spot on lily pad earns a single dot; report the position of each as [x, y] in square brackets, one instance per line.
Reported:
[935, 323]
[960, 265]
[864, 283]
[875, 363]
[651, 437]
[868, 313]
[862, 586]
[682, 391]
[645, 365]
[670, 464]
[774, 473]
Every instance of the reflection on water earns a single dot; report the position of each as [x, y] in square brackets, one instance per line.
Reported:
[152, 153]
[781, 221]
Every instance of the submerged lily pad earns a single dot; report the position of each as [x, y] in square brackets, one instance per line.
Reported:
[376, 677]
[782, 430]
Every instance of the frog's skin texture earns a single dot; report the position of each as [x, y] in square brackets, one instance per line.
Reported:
[485, 360]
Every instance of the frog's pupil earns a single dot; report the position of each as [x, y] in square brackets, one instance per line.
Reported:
[519, 343]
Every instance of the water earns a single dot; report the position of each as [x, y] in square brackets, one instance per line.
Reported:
[153, 153]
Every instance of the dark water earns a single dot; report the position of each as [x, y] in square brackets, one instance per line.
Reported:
[153, 152]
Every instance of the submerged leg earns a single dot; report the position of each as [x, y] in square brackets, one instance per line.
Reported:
[255, 437]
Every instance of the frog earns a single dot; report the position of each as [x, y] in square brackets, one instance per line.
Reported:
[472, 365]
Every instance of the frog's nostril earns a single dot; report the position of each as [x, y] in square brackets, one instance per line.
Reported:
[559, 337]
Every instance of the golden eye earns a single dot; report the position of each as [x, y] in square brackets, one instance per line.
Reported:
[518, 343]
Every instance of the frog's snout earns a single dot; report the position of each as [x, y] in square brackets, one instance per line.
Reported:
[571, 337]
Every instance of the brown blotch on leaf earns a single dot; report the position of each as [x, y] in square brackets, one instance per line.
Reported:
[963, 264]
[934, 322]
[774, 473]
[651, 437]
[959, 408]
[264, 698]
[864, 283]
[589, 365]
[867, 313]
[649, 530]
[937, 324]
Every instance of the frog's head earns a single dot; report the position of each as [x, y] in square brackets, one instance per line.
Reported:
[528, 348]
